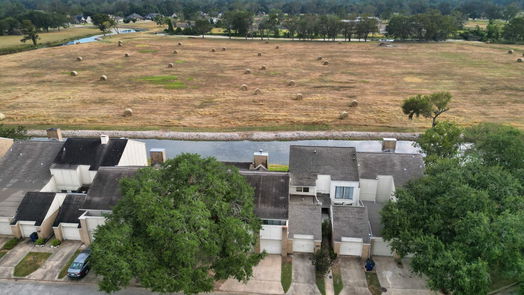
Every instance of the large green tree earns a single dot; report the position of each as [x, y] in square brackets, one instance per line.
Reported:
[463, 221]
[179, 228]
[30, 32]
[441, 141]
[428, 106]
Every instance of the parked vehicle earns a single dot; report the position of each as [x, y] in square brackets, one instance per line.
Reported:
[80, 266]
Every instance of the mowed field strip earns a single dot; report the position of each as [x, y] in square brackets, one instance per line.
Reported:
[202, 91]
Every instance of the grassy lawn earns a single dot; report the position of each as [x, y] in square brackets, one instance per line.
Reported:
[50, 37]
[278, 168]
[31, 262]
[2, 253]
[338, 285]
[287, 273]
[63, 271]
[373, 283]
[321, 283]
[11, 244]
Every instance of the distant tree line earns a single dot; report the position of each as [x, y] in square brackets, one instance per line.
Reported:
[510, 32]
[41, 20]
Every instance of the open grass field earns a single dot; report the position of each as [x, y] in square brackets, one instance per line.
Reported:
[202, 90]
[52, 36]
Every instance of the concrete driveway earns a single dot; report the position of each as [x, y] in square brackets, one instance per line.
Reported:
[53, 265]
[353, 276]
[266, 278]
[303, 282]
[11, 259]
[399, 280]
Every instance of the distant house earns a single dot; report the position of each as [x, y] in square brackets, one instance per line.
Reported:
[152, 16]
[134, 16]
[174, 15]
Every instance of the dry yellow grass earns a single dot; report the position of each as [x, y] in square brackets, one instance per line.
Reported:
[202, 90]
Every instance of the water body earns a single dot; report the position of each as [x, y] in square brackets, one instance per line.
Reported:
[242, 151]
[98, 37]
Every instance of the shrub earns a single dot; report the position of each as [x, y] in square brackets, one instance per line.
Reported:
[55, 242]
[40, 241]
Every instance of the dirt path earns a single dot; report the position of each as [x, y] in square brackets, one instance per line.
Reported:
[235, 136]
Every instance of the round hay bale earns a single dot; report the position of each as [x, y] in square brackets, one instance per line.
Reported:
[223, 49]
[247, 71]
[343, 115]
[520, 60]
[128, 112]
[2, 117]
[258, 91]
[277, 47]
[263, 68]
[175, 52]
[354, 104]
[291, 83]
[79, 58]
[259, 54]
[510, 51]
[120, 43]
[170, 65]
[319, 58]
[325, 63]
[213, 50]
[179, 43]
[267, 42]
[74, 73]
[298, 96]
[103, 78]
[243, 87]
[339, 42]
[126, 55]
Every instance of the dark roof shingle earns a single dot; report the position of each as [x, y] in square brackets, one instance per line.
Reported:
[90, 151]
[24, 168]
[34, 207]
[403, 167]
[105, 190]
[271, 193]
[306, 162]
[305, 219]
[70, 209]
[351, 222]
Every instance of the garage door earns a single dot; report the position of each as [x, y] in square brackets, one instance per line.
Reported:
[351, 247]
[303, 243]
[381, 248]
[5, 228]
[27, 230]
[71, 232]
[271, 246]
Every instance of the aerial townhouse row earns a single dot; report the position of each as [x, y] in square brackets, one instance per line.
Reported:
[64, 188]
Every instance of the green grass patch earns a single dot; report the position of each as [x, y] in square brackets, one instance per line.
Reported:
[321, 283]
[180, 62]
[11, 244]
[168, 81]
[278, 168]
[63, 271]
[2, 253]
[373, 283]
[287, 273]
[31, 262]
[338, 285]
[148, 51]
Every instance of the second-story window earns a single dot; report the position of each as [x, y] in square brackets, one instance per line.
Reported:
[301, 189]
[344, 192]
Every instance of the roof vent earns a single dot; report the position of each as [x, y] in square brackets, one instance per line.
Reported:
[104, 139]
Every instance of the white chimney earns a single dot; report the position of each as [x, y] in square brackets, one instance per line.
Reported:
[389, 145]
[261, 158]
[104, 139]
[54, 133]
[158, 156]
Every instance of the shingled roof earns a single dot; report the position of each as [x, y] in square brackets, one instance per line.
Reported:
[306, 162]
[70, 209]
[271, 193]
[34, 207]
[403, 167]
[24, 168]
[91, 152]
[105, 190]
[351, 222]
[305, 218]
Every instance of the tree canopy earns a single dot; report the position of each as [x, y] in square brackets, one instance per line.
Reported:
[179, 228]
[441, 141]
[18, 132]
[428, 106]
[464, 220]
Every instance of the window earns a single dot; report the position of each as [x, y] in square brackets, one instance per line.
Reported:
[301, 189]
[273, 222]
[344, 192]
